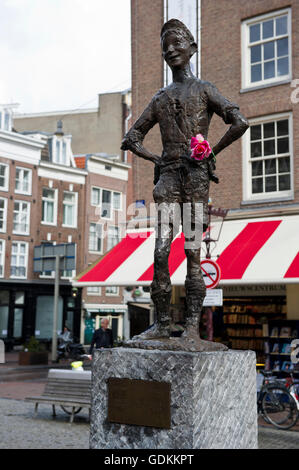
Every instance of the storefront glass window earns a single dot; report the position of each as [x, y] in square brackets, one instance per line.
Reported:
[44, 316]
[18, 322]
[3, 321]
[20, 298]
[4, 297]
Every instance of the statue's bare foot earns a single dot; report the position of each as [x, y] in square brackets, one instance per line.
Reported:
[154, 332]
[191, 341]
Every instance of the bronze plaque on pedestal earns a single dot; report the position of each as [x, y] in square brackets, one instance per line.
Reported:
[139, 402]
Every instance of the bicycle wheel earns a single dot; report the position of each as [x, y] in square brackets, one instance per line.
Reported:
[279, 407]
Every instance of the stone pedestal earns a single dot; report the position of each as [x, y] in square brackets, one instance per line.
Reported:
[213, 399]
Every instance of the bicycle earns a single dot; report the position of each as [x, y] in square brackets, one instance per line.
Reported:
[276, 404]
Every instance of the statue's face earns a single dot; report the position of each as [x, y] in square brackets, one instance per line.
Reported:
[176, 50]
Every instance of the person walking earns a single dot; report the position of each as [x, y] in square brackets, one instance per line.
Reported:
[102, 337]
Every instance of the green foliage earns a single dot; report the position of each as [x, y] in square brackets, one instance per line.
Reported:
[34, 345]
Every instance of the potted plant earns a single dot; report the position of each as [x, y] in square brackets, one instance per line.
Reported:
[34, 353]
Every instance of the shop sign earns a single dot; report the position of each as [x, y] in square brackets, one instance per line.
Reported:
[214, 298]
[255, 290]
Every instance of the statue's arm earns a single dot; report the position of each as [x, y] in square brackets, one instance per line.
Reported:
[133, 140]
[230, 113]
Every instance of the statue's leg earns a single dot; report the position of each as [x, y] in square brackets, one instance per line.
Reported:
[161, 285]
[194, 223]
[195, 291]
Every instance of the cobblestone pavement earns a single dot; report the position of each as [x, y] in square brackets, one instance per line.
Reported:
[19, 429]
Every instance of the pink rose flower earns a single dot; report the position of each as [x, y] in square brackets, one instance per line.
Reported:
[200, 148]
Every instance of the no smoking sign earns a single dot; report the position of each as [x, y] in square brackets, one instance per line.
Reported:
[211, 273]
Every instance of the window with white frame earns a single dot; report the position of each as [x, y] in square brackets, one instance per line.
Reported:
[108, 200]
[112, 290]
[93, 290]
[2, 257]
[269, 157]
[95, 196]
[116, 201]
[21, 217]
[4, 172]
[68, 274]
[266, 49]
[106, 211]
[60, 150]
[95, 237]
[70, 203]
[113, 237]
[19, 259]
[23, 180]
[49, 206]
[5, 119]
[3, 214]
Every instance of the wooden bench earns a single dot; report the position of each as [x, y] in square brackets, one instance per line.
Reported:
[66, 388]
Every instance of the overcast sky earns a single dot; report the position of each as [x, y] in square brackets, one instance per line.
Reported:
[59, 54]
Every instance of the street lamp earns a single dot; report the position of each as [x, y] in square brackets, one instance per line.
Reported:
[210, 237]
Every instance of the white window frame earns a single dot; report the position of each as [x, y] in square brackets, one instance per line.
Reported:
[119, 236]
[21, 191]
[246, 64]
[63, 276]
[99, 291]
[2, 254]
[102, 239]
[18, 254]
[6, 177]
[120, 201]
[109, 294]
[3, 230]
[111, 204]
[58, 158]
[100, 196]
[44, 199]
[3, 113]
[75, 222]
[17, 232]
[248, 196]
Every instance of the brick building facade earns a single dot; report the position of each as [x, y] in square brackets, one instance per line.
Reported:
[227, 22]
[249, 51]
[103, 227]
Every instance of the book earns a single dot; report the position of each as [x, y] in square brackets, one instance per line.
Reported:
[274, 332]
[276, 366]
[285, 332]
[265, 329]
[286, 348]
[287, 365]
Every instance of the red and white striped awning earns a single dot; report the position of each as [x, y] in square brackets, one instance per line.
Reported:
[249, 251]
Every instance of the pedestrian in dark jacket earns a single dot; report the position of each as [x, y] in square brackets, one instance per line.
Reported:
[102, 337]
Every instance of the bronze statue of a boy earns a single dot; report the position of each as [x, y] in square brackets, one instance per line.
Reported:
[183, 110]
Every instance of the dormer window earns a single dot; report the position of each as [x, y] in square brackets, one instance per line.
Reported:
[60, 147]
[5, 119]
[60, 150]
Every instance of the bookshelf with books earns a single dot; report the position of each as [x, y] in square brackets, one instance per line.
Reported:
[246, 321]
[278, 344]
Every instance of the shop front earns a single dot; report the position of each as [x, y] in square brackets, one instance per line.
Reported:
[26, 309]
[259, 261]
[94, 313]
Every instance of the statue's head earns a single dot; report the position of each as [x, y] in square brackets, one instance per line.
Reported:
[177, 42]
